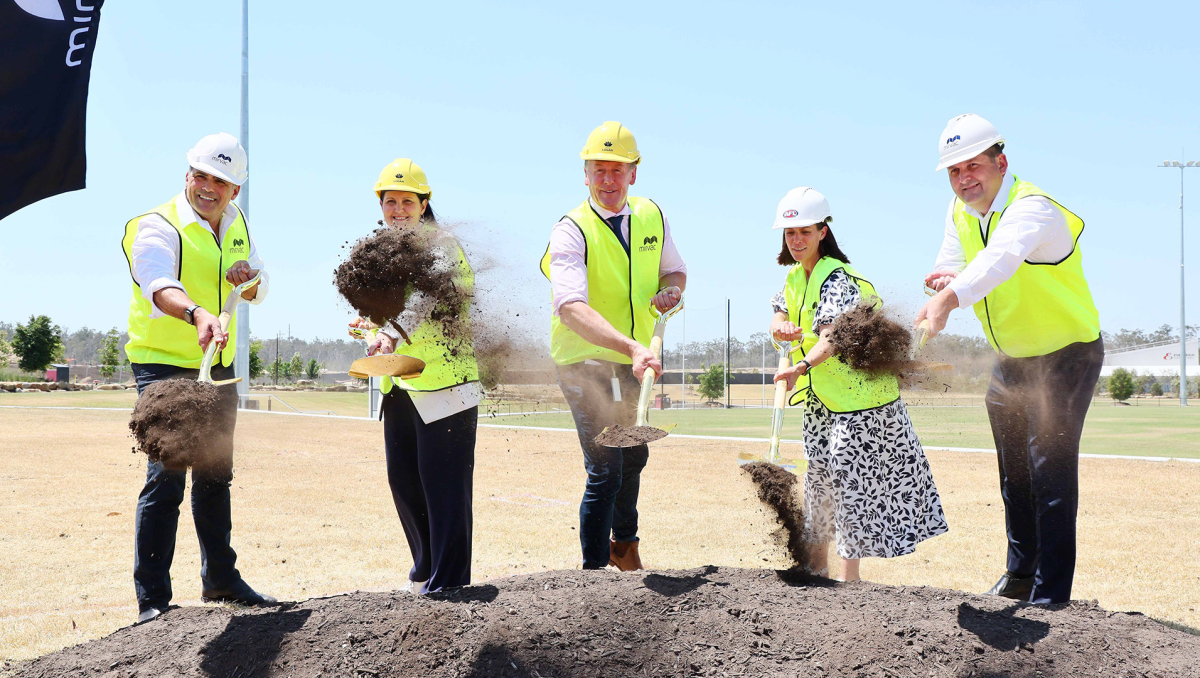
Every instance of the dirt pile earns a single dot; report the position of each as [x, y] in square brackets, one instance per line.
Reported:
[777, 488]
[383, 268]
[704, 622]
[173, 420]
[868, 340]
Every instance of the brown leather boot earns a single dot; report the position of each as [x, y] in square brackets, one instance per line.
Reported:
[623, 555]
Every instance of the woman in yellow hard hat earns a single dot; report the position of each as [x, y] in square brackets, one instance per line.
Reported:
[868, 482]
[429, 421]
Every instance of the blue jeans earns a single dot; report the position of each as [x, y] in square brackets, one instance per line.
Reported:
[1037, 407]
[609, 505]
[157, 515]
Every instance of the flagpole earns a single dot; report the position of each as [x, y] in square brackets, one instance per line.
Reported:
[242, 362]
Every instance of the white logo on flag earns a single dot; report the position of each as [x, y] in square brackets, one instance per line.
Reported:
[45, 9]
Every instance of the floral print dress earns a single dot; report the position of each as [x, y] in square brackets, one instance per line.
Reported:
[868, 483]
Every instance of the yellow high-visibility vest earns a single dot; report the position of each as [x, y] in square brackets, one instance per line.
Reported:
[1044, 306]
[620, 285]
[201, 268]
[839, 387]
[449, 361]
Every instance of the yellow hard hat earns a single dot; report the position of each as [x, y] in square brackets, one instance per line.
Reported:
[403, 174]
[611, 141]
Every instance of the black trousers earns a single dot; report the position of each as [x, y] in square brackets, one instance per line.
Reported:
[1037, 407]
[156, 518]
[614, 474]
[431, 470]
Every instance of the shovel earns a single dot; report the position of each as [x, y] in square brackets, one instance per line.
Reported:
[226, 313]
[915, 350]
[773, 455]
[384, 365]
[643, 432]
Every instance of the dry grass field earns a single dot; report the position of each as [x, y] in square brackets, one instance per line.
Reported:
[313, 517]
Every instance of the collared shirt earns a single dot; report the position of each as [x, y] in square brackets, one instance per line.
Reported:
[1032, 229]
[156, 252]
[568, 267]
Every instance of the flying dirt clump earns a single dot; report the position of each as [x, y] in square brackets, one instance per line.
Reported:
[173, 419]
[776, 488]
[386, 267]
[869, 341]
[629, 436]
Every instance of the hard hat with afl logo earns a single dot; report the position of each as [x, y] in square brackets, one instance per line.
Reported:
[611, 141]
[403, 174]
[221, 156]
[802, 206]
[964, 138]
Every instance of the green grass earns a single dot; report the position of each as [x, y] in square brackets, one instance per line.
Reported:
[1166, 431]
[1142, 431]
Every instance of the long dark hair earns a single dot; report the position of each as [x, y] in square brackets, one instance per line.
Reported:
[827, 248]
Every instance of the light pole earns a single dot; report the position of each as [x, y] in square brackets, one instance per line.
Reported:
[1182, 319]
[242, 340]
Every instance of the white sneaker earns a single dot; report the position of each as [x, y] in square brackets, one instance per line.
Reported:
[413, 587]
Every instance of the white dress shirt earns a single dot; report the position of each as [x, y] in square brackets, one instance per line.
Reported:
[1032, 229]
[434, 405]
[568, 264]
[156, 252]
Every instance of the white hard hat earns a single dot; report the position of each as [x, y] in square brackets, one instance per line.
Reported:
[964, 138]
[221, 156]
[802, 206]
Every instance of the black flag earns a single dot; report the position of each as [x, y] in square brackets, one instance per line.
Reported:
[46, 51]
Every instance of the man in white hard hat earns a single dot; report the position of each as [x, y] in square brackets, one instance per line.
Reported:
[1012, 253]
[185, 256]
[608, 260]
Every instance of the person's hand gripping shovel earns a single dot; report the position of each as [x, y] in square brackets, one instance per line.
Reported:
[917, 346]
[643, 432]
[383, 364]
[210, 353]
[774, 456]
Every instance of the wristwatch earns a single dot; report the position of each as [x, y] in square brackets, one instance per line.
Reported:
[807, 366]
[189, 314]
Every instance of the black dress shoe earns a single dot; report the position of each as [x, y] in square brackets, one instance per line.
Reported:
[148, 614]
[1012, 586]
[239, 593]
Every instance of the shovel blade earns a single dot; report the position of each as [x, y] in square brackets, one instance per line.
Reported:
[225, 381]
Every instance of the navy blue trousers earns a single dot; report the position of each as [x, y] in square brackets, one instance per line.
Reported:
[156, 519]
[1037, 407]
[431, 471]
[614, 474]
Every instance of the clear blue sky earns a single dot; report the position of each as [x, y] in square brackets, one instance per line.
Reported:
[732, 106]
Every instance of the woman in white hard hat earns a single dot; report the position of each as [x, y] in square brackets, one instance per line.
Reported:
[868, 482]
[429, 421]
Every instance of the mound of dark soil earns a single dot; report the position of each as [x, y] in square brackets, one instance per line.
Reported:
[629, 436]
[704, 622]
[173, 421]
[869, 341]
[383, 268]
[777, 488]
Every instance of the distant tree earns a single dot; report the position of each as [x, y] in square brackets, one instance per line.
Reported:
[256, 362]
[37, 344]
[297, 367]
[1156, 389]
[110, 354]
[280, 369]
[1120, 384]
[313, 369]
[712, 382]
[6, 351]
[1145, 382]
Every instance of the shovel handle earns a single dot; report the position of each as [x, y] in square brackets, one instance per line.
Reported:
[648, 376]
[211, 352]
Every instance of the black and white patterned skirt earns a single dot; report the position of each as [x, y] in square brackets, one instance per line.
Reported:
[868, 482]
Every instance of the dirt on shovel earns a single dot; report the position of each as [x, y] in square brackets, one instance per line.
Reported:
[868, 340]
[629, 436]
[173, 421]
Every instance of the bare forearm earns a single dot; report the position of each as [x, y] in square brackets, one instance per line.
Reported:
[823, 349]
[677, 279]
[589, 324]
[173, 301]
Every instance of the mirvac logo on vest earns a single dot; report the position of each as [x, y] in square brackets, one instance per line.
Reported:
[238, 246]
[649, 244]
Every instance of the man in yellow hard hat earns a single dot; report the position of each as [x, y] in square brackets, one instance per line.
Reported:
[1012, 253]
[608, 260]
[185, 257]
